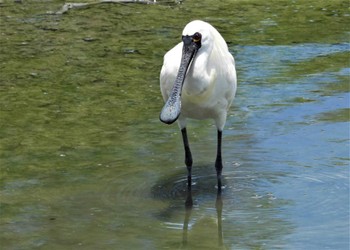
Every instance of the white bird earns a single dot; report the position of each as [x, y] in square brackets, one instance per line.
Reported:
[198, 80]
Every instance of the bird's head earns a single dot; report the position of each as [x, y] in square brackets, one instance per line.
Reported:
[199, 32]
[194, 37]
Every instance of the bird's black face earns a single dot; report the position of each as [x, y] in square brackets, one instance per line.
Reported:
[195, 40]
[172, 108]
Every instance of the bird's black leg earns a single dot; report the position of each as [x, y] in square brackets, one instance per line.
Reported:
[218, 162]
[188, 155]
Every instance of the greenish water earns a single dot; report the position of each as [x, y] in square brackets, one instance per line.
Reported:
[85, 162]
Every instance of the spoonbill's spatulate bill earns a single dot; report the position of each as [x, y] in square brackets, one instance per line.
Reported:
[198, 80]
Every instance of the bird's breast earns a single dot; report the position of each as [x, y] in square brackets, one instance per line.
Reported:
[199, 87]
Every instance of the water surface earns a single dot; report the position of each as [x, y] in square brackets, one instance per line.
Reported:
[85, 162]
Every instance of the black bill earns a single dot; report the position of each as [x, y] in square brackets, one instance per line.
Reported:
[172, 107]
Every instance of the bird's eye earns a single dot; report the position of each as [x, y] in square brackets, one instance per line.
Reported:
[197, 37]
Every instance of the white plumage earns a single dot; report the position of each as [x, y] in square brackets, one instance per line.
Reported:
[209, 84]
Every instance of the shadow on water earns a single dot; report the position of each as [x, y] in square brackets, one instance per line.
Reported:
[202, 214]
[187, 199]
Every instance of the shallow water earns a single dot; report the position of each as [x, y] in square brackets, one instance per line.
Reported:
[85, 162]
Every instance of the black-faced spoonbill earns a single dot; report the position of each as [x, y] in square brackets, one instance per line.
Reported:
[198, 80]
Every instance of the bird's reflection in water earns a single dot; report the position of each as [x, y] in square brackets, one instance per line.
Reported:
[218, 206]
[188, 211]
